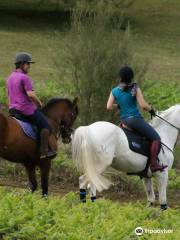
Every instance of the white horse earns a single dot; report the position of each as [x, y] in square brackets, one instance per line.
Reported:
[103, 144]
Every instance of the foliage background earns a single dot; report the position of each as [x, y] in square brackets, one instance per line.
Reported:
[149, 33]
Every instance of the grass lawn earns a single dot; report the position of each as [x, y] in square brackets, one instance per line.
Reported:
[155, 29]
[156, 25]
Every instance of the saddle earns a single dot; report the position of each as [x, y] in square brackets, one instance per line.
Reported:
[33, 132]
[138, 144]
[28, 128]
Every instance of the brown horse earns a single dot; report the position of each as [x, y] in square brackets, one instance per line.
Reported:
[15, 146]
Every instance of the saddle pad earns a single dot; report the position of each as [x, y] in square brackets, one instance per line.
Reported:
[137, 143]
[28, 129]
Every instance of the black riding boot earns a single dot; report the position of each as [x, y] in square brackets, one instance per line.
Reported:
[154, 151]
[44, 147]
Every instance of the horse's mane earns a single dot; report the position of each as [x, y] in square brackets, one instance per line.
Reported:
[164, 114]
[56, 100]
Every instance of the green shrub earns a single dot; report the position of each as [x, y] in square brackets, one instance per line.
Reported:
[95, 48]
[28, 216]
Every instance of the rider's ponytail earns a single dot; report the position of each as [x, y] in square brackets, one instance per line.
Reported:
[130, 87]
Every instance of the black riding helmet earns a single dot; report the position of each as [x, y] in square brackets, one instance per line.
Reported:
[126, 74]
[23, 57]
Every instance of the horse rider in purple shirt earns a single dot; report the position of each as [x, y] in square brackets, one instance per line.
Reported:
[23, 101]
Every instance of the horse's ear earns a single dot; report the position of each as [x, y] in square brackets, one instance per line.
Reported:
[75, 101]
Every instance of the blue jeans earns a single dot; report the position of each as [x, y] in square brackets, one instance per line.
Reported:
[39, 120]
[138, 124]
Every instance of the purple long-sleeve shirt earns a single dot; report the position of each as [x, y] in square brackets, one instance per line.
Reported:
[18, 84]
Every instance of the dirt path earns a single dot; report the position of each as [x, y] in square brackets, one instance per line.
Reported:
[62, 188]
[55, 188]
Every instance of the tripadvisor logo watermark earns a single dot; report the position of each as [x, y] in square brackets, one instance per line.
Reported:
[140, 231]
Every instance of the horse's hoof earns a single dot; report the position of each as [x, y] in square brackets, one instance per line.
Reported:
[45, 196]
[150, 204]
[164, 207]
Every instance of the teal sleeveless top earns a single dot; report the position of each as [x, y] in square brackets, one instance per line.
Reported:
[127, 103]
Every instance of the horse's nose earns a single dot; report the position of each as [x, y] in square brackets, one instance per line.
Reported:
[66, 140]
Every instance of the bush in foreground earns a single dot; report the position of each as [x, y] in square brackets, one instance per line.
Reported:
[27, 216]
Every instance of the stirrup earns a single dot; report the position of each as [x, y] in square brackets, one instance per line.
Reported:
[42, 156]
[49, 154]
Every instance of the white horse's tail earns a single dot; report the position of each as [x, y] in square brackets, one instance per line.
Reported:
[87, 159]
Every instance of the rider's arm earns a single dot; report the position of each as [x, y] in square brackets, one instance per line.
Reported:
[28, 88]
[141, 101]
[7, 92]
[110, 103]
[34, 98]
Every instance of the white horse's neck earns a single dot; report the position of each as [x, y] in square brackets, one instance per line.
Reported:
[168, 135]
[167, 132]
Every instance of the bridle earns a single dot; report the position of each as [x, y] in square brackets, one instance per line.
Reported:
[63, 128]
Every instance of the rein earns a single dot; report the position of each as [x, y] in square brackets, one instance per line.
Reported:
[166, 147]
[171, 126]
[167, 122]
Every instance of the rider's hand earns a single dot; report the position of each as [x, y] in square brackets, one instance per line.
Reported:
[41, 105]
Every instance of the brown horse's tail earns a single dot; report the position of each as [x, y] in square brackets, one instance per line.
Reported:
[3, 126]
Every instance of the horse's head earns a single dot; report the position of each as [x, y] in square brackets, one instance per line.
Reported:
[69, 118]
[64, 113]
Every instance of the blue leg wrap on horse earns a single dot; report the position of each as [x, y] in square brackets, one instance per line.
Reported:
[164, 206]
[93, 199]
[82, 195]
